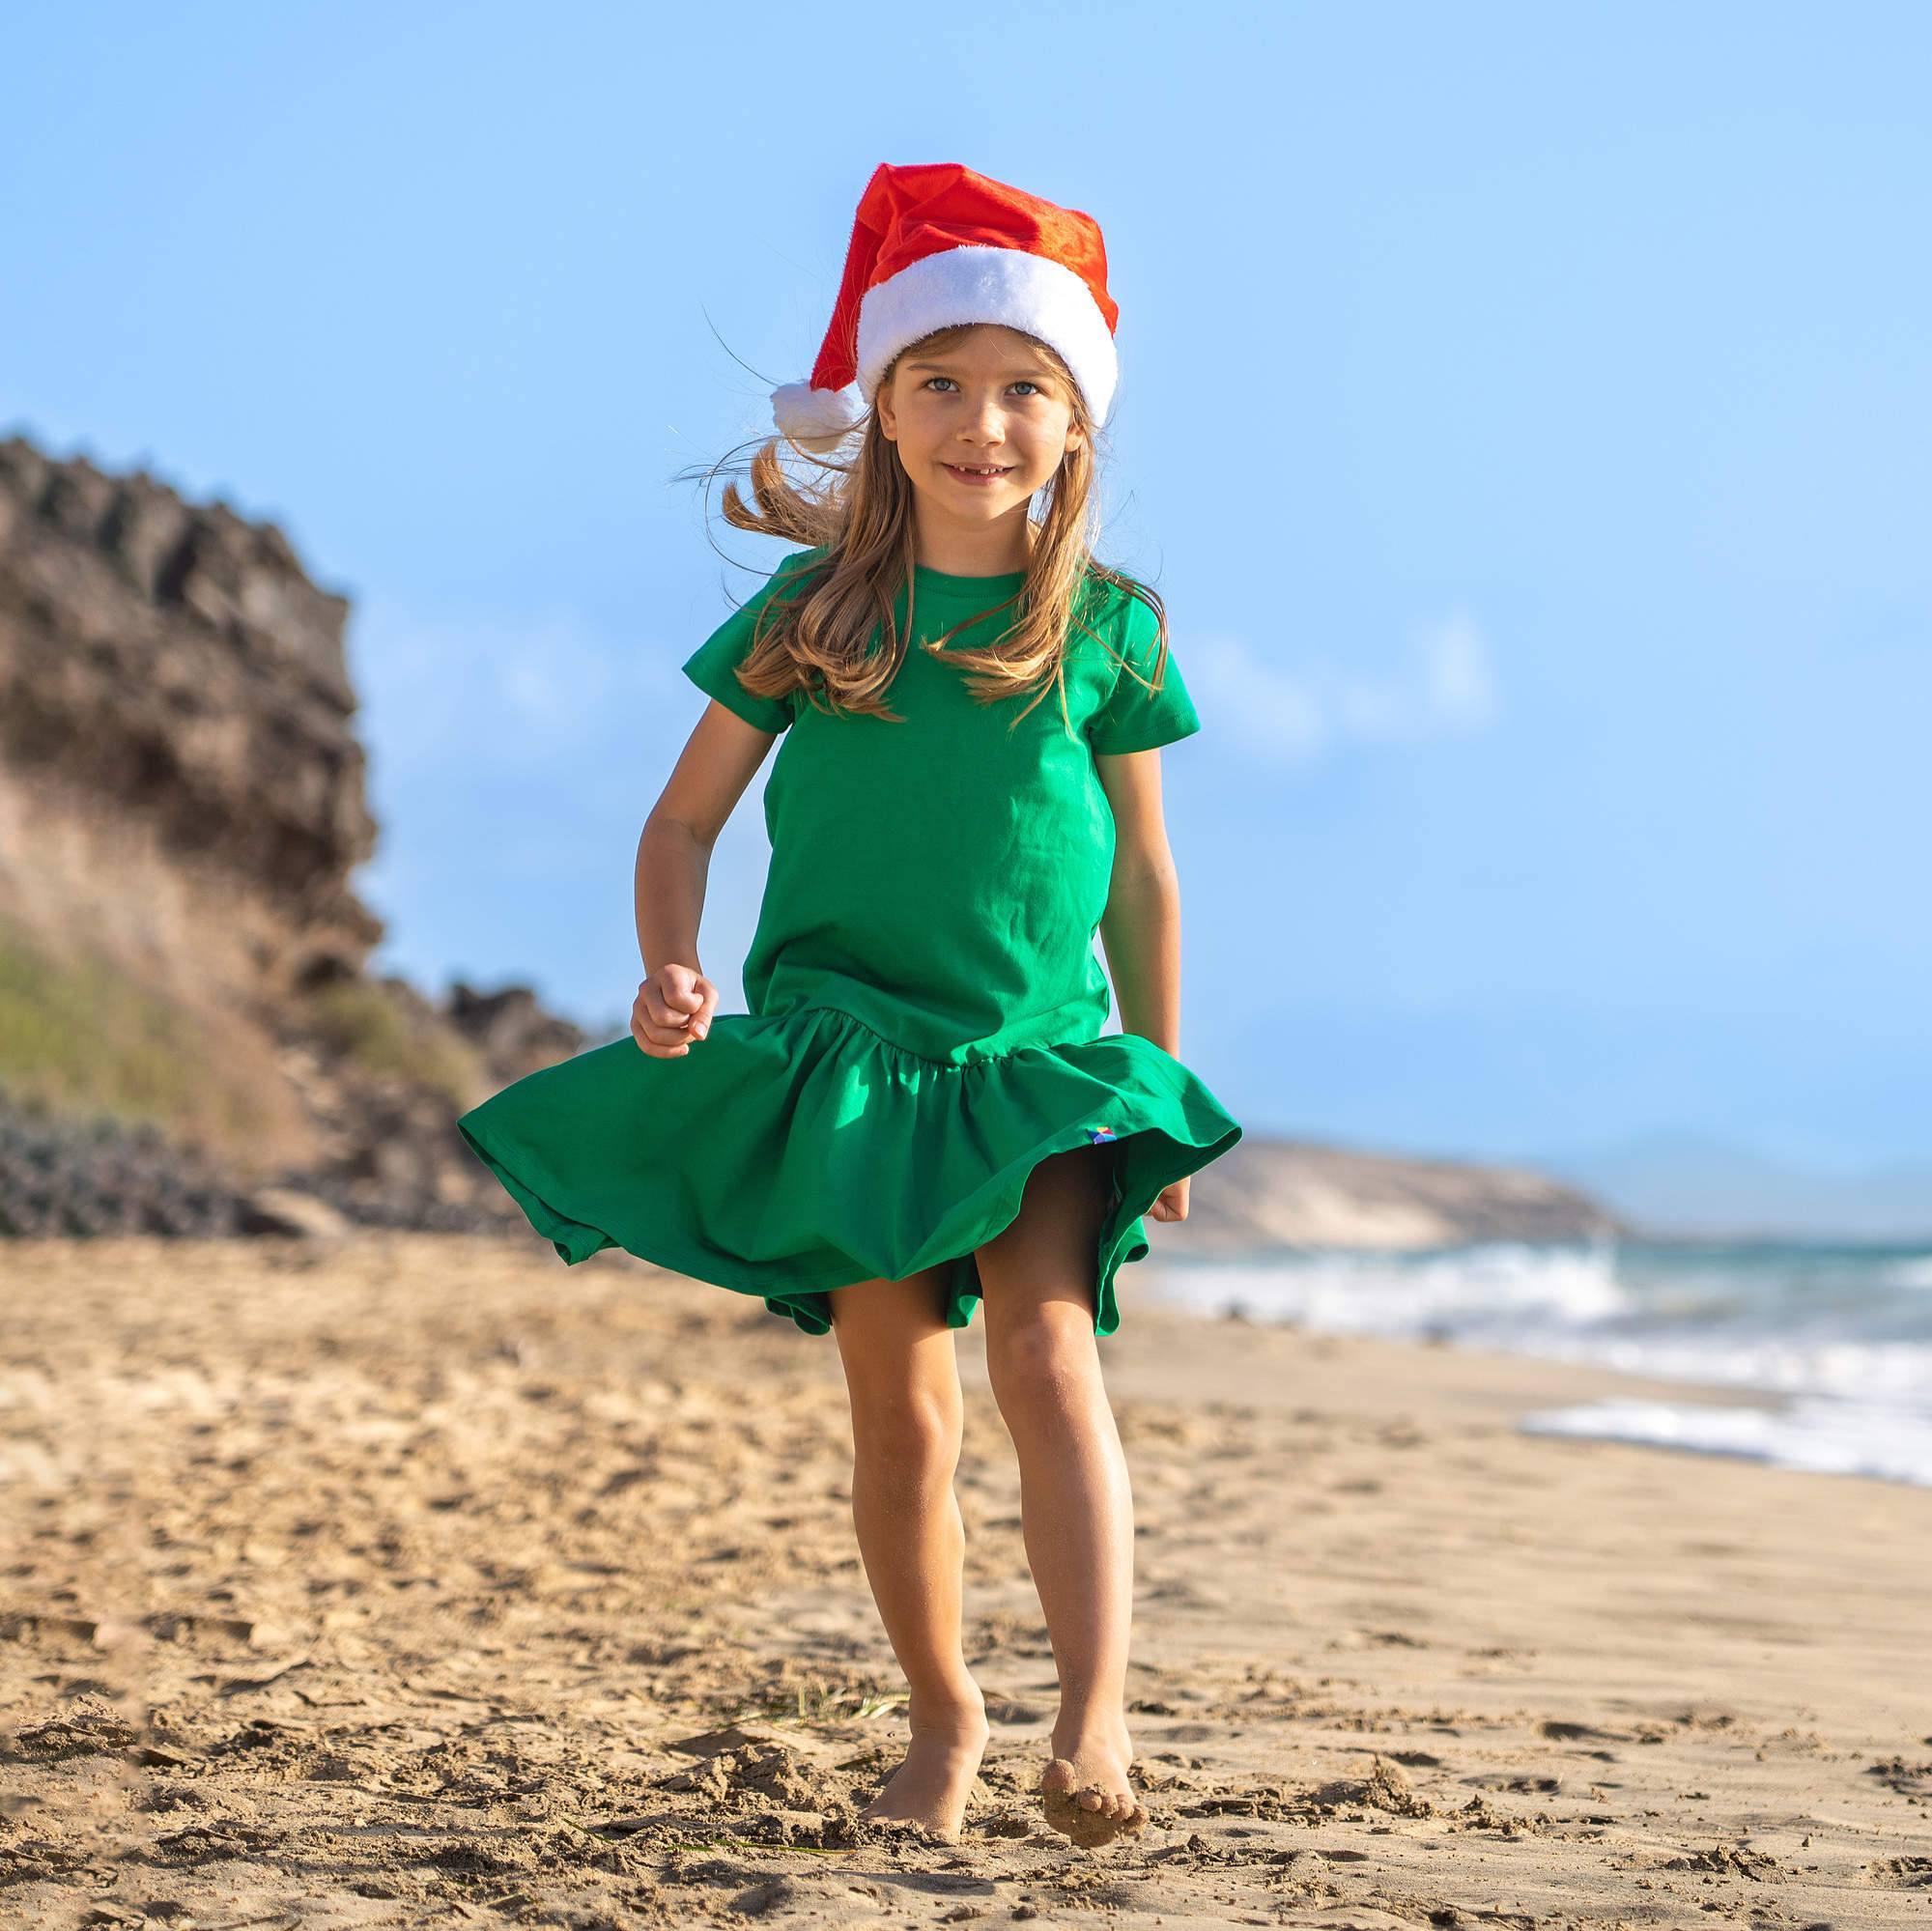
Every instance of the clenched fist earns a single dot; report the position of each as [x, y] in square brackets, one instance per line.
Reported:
[673, 1007]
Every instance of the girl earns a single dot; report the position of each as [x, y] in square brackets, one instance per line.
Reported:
[920, 1111]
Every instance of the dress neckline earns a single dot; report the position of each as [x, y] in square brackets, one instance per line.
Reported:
[928, 581]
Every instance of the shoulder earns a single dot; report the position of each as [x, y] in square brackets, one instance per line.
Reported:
[801, 562]
[1119, 609]
[1148, 702]
[781, 586]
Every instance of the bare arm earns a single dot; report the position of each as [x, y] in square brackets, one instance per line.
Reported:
[1141, 927]
[675, 1000]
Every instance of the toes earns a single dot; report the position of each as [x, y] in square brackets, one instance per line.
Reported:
[1090, 1812]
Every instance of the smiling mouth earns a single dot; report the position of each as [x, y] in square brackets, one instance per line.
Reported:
[981, 469]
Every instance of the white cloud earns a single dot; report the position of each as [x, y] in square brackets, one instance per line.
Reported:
[1461, 676]
[1294, 716]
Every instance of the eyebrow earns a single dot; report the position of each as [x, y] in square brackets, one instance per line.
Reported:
[1031, 370]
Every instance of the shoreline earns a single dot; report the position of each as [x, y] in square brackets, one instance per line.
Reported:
[1832, 1426]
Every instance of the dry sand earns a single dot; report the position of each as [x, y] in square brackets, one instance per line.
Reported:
[422, 1581]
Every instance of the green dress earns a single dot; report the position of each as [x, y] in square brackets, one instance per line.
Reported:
[926, 1001]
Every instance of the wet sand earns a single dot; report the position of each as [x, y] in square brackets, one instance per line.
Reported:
[423, 1581]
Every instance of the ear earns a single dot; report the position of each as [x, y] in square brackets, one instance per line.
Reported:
[882, 409]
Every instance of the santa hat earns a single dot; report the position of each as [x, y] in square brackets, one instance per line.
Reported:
[939, 244]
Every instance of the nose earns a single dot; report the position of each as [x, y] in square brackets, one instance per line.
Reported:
[986, 423]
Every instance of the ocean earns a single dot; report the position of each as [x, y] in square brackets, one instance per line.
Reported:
[1837, 1339]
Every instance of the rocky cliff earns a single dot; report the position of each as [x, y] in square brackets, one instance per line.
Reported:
[182, 811]
[180, 777]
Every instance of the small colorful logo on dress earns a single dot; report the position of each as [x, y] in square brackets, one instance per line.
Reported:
[1098, 1133]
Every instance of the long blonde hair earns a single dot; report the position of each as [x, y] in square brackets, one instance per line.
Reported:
[816, 637]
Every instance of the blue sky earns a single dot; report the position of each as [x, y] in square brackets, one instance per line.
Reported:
[1526, 413]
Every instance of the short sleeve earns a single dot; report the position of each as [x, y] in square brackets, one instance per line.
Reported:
[712, 665]
[1134, 717]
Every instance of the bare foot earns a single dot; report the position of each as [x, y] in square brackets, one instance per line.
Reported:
[933, 1784]
[1085, 1791]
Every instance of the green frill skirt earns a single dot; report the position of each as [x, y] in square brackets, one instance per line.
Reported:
[792, 1154]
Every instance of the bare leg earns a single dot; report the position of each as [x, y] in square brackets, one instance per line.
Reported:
[1077, 1508]
[903, 1377]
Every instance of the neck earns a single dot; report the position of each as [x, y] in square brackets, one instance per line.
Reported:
[973, 549]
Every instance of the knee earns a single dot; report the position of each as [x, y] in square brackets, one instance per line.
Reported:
[907, 1428]
[1046, 1360]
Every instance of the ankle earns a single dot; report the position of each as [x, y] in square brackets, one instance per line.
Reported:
[959, 1712]
[1093, 1730]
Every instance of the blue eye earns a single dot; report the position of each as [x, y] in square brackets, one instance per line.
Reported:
[1024, 383]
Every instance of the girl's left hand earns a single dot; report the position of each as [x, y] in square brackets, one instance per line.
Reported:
[1170, 1203]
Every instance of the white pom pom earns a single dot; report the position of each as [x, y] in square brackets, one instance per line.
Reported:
[816, 419]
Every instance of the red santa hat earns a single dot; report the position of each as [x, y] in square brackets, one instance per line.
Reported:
[938, 245]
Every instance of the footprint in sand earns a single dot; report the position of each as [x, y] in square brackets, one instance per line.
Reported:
[1086, 1810]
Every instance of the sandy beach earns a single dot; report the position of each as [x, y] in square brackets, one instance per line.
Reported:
[419, 1579]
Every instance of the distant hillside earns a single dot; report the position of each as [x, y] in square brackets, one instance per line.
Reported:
[1269, 1192]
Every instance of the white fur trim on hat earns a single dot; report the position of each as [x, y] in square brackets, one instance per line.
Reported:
[815, 418]
[981, 283]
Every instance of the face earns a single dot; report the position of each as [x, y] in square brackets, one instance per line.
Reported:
[989, 403]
